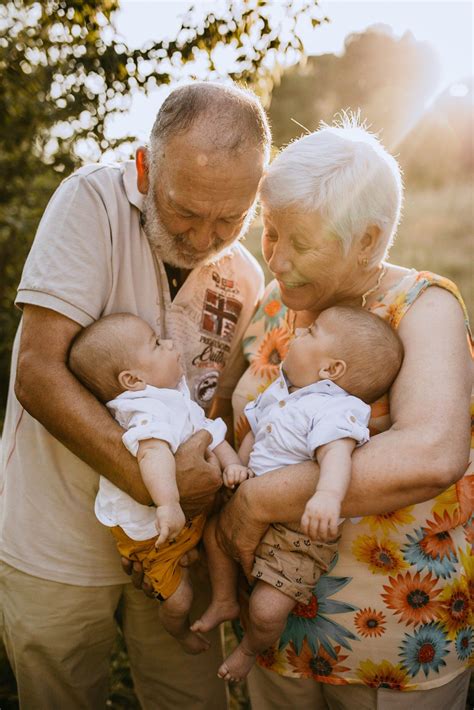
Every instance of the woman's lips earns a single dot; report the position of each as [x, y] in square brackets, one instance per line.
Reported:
[290, 285]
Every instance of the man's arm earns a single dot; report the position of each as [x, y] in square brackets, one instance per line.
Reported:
[423, 453]
[51, 394]
[48, 390]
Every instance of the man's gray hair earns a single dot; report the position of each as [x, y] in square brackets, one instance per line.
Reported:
[344, 173]
[235, 114]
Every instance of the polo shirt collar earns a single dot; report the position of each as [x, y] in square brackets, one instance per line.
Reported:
[134, 196]
[321, 387]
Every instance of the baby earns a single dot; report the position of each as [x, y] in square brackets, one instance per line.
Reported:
[314, 409]
[140, 379]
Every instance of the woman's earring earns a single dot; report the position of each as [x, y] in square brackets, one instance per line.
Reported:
[363, 261]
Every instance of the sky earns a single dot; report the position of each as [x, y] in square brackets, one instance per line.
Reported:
[446, 24]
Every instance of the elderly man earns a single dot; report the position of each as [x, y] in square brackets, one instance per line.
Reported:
[157, 238]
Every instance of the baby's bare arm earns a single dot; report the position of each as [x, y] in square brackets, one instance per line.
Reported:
[246, 447]
[158, 470]
[335, 465]
[322, 512]
[234, 471]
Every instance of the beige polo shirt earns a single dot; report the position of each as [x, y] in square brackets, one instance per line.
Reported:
[90, 257]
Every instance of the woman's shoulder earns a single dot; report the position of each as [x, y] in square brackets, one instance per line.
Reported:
[406, 286]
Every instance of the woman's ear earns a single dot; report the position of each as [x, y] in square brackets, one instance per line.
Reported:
[368, 244]
[141, 161]
[131, 381]
[334, 370]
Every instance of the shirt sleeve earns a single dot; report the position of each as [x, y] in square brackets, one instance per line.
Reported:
[69, 267]
[217, 429]
[345, 417]
[159, 425]
[252, 412]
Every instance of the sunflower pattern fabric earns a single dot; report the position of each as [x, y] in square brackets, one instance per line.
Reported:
[396, 608]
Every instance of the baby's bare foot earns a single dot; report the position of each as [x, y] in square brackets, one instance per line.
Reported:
[215, 614]
[238, 665]
[193, 643]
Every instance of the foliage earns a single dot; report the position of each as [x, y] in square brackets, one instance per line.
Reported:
[391, 81]
[439, 151]
[388, 78]
[64, 75]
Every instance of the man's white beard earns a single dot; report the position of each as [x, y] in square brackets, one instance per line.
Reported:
[174, 249]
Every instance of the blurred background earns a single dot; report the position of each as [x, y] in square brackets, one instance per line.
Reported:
[82, 81]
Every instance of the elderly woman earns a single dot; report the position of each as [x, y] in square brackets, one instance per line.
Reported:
[394, 613]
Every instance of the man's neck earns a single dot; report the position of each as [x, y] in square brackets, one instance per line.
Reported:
[176, 278]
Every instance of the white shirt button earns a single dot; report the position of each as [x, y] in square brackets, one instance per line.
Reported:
[269, 428]
[282, 403]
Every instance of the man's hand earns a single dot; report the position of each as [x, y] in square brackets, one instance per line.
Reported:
[236, 473]
[238, 534]
[198, 474]
[141, 581]
[320, 519]
[170, 521]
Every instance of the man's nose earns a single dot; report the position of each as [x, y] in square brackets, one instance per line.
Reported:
[201, 236]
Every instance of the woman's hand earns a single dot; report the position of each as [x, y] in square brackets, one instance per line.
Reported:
[238, 532]
[198, 474]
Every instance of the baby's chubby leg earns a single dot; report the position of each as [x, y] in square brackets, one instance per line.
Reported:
[174, 615]
[223, 573]
[269, 609]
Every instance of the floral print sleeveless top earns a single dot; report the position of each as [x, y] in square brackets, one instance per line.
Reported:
[396, 609]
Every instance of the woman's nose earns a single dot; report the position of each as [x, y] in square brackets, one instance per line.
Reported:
[279, 263]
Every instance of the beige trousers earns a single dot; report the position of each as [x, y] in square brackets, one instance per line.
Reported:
[270, 691]
[59, 637]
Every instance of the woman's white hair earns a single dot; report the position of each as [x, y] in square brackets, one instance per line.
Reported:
[343, 172]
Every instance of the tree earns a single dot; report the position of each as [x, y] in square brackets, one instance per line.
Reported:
[64, 74]
[388, 78]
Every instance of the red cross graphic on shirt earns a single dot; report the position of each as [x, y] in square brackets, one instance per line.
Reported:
[220, 315]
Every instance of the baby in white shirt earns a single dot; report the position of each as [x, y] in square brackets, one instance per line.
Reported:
[317, 408]
[140, 379]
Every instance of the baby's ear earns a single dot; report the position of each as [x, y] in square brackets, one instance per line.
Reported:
[334, 370]
[131, 380]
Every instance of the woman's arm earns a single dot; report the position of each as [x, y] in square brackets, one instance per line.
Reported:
[424, 452]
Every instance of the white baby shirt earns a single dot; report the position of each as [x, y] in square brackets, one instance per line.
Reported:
[152, 413]
[288, 427]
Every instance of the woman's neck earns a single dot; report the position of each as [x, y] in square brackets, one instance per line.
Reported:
[372, 285]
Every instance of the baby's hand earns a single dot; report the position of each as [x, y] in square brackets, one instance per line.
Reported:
[236, 473]
[170, 521]
[321, 516]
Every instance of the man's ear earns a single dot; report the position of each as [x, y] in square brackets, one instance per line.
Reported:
[334, 370]
[141, 161]
[131, 381]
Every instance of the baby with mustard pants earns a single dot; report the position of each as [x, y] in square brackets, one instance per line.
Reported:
[140, 379]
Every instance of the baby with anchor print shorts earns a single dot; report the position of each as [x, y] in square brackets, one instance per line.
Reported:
[140, 379]
[317, 408]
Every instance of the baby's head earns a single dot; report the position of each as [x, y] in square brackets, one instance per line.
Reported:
[350, 346]
[121, 352]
